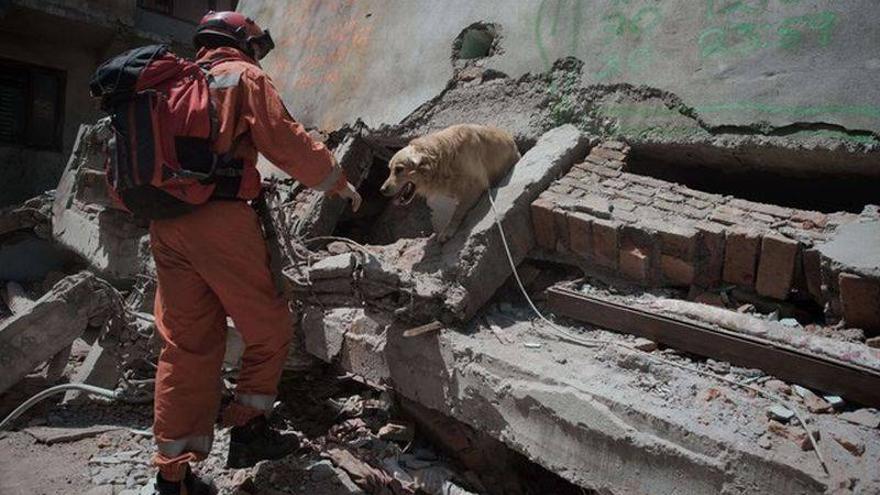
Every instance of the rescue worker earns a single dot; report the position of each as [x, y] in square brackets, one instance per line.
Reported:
[213, 262]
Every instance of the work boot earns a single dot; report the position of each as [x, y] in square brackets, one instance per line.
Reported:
[191, 485]
[257, 441]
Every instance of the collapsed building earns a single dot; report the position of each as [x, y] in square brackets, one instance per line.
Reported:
[677, 288]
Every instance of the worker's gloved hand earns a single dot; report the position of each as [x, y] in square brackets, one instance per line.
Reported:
[350, 193]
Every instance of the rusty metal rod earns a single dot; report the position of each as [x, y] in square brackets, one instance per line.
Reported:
[851, 381]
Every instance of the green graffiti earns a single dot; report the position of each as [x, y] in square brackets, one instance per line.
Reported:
[720, 8]
[575, 16]
[622, 44]
[793, 30]
[643, 22]
[746, 38]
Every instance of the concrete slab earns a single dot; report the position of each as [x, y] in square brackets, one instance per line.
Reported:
[854, 248]
[107, 239]
[480, 260]
[54, 322]
[600, 419]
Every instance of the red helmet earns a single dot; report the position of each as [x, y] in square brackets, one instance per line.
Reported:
[237, 27]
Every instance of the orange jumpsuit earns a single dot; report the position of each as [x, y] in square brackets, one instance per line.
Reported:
[213, 262]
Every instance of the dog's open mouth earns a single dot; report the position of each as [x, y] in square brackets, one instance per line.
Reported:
[405, 195]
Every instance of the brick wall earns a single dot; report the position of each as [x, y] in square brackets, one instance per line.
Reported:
[662, 234]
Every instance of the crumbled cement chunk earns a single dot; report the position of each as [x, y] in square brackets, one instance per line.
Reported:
[864, 417]
[779, 413]
[339, 266]
[51, 325]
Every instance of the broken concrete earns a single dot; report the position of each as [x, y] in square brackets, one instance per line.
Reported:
[85, 221]
[54, 322]
[51, 435]
[540, 406]
[420, 278]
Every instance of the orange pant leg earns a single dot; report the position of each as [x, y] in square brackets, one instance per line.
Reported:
[249, 295]
[192, 324]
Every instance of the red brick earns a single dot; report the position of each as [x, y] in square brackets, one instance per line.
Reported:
[595, 205]
[776, 266]
[772, 210]
[676, 271]
[665, 205]
[741, 258]
[620, 204]
[710, 255]
[560, 225]
[579, 233]
[641, 190]
[813, 274]
[543, 223]
[763, 218]
[604, 242]
[860, 298]
[700, 195]
[698, 204]
[615, 145]
[671, 197]
[607, 154]
[814, 218]
[675, 239]
[611, 173]
[635, 263]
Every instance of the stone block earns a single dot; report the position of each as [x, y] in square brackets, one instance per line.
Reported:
[741, 257]
[776, 266]
[544, 224]
[860, 299]
[605, 237]
[579, 232]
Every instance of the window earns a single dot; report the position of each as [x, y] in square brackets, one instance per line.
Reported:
[31, 105]
[161, 6]
[190, 11]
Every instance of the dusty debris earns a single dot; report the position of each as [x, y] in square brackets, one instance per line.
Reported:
[853, 446]
[869, 418]
[644, 345]
[50, 435]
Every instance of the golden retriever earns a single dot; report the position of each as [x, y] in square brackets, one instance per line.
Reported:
[451, 169]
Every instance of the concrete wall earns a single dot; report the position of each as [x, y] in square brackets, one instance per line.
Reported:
[75, 36]
[735, 62]
[36, 39]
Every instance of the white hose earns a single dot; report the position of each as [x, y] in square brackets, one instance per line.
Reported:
[110, 394]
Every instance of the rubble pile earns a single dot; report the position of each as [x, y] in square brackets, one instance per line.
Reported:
[462, 385]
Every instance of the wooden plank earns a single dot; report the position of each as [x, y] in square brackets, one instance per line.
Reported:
[832, 376]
